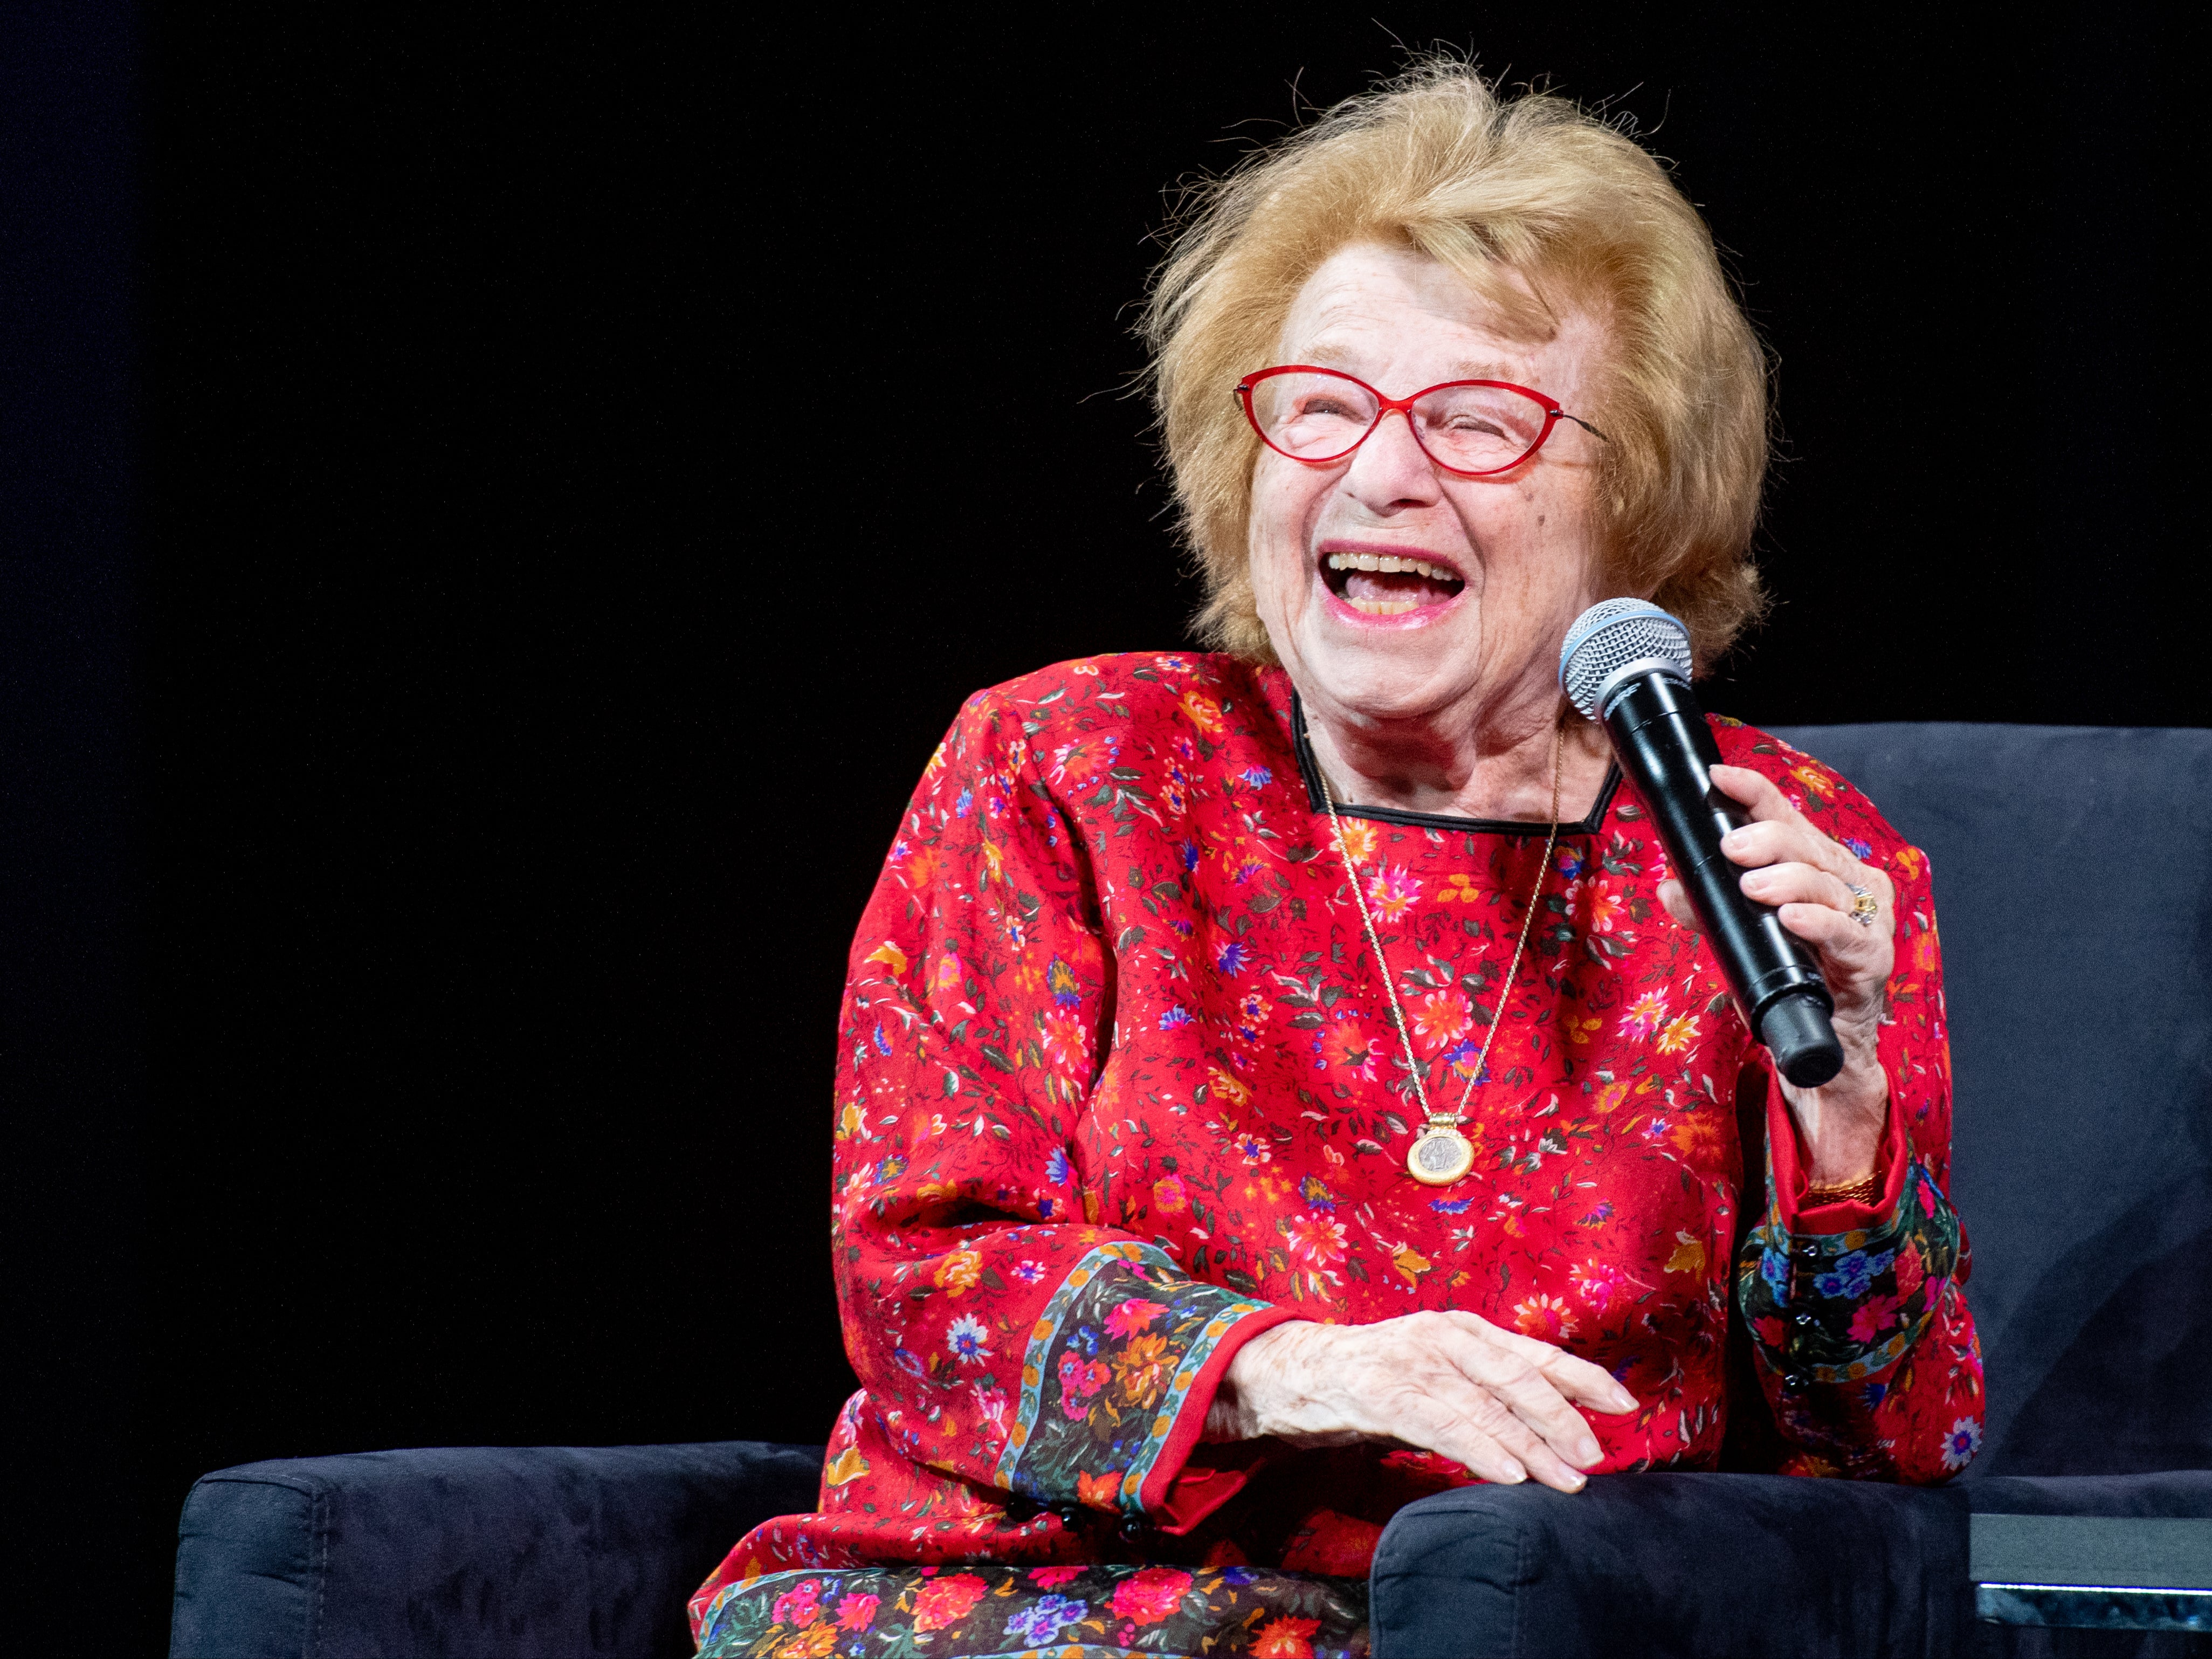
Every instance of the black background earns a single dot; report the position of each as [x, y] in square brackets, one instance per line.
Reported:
[505, 503]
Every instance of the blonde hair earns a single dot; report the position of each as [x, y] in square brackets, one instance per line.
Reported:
[1495, 188]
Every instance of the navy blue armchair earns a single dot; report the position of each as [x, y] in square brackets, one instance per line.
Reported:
[2073, 870]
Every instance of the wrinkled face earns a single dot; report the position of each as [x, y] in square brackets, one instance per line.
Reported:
[1391, 589]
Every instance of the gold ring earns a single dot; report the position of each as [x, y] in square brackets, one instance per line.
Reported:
[1864, 906]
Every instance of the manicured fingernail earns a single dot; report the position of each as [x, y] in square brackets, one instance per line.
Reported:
[1586, 1451]
[1624, 1400]
[1733, 842]
[1577, 1479]
[1515, 1474]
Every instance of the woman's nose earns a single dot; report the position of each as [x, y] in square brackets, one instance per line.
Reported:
[1390, 470]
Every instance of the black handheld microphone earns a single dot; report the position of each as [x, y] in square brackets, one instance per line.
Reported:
[1626, 664]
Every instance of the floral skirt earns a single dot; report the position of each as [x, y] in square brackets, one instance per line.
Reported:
[984, 1611]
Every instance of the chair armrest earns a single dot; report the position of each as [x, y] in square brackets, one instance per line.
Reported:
[1707, 1566]
[502, 1551]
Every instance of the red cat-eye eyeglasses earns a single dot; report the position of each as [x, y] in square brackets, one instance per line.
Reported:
[1471, 427]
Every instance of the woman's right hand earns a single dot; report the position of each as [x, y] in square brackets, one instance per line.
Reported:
[1497, 1402]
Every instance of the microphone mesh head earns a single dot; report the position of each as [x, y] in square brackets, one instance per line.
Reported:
[1609, 636]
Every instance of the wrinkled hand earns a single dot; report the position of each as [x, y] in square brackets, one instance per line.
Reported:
[1493, 1399]
[1794, 867]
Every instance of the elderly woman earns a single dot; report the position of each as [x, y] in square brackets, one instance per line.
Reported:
[1175, 953]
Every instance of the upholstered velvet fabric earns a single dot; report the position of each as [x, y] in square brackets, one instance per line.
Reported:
[1710, 1566]
[2072, 880]
[1704, 1566]
[471, 1553]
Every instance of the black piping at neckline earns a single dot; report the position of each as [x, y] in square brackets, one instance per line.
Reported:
[1310, 770]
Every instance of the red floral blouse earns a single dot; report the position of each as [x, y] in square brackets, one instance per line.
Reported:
[1119, 1089]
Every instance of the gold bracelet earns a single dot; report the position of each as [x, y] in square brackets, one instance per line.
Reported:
[1866, 1190]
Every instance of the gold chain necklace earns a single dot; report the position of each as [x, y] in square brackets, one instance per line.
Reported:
[1440, 1154]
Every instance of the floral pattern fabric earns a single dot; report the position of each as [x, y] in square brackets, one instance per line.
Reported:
[1041, 1612]
[1119, 1089]
[1829, 1310]
[1117, 1349]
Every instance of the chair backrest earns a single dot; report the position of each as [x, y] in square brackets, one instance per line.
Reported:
[2073, 877]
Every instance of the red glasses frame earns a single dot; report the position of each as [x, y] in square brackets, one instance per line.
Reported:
[1552, 416]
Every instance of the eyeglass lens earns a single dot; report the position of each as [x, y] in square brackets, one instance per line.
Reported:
[1473, 428]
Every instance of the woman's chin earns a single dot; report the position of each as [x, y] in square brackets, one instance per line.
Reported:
[1381, 665]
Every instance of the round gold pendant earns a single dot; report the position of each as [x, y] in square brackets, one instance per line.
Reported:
[1439, 1155]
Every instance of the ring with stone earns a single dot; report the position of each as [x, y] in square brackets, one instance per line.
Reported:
[1864, 906]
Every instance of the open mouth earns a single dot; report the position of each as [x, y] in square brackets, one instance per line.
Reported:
[1387, 584]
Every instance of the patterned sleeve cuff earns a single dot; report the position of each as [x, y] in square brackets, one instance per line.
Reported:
[1119, 1372]
[1830, 1308]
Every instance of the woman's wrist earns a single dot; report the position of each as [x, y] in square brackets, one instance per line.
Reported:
[1840, 1124]
[1226, 1417]
[1240, 1400]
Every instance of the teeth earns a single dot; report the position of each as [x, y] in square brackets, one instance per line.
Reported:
[1391, 564]
[1384, 607]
